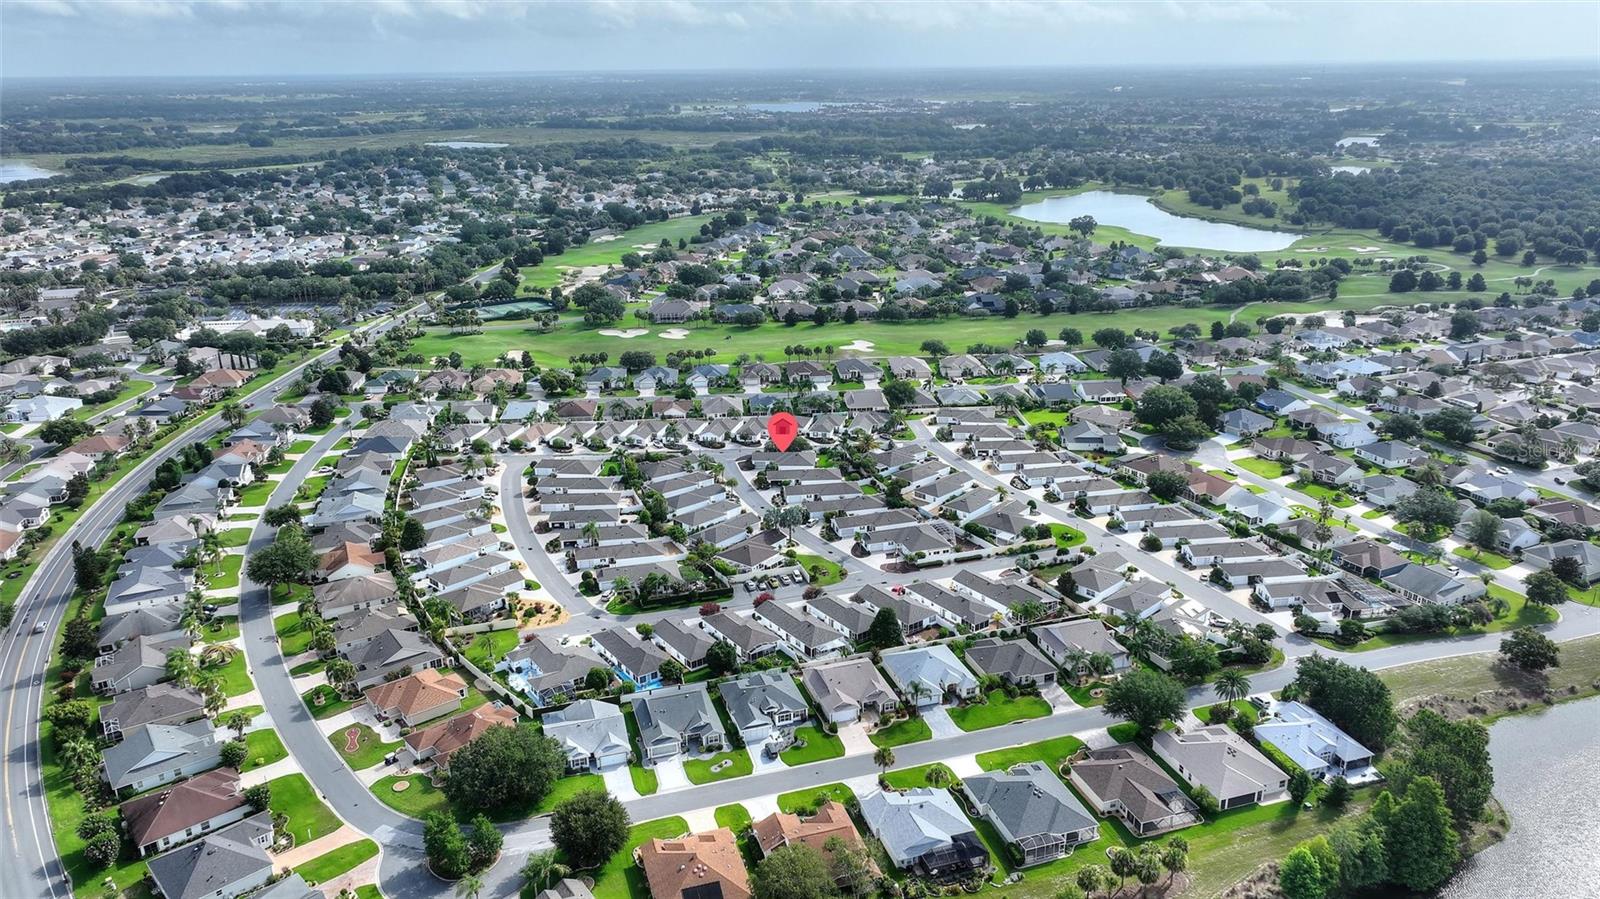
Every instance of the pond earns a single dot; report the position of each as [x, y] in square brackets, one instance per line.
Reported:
[466, 144]
[1350, 169]
[1138, 214]
[1364, 140]
[22, 171]
[1547, 775]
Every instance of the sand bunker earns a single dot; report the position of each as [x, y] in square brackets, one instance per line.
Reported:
[858, 346]
[674, 334]
[1366, 249]
[628, 334]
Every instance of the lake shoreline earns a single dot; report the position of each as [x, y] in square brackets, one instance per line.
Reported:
[1146, 216]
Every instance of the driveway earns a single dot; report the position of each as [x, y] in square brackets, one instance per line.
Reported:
[619, 783]
[670, 775]
[855, 739]
[938, 718]
[1058, 698]
[759, 760]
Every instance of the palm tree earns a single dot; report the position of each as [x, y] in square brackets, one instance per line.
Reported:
[937, 777]
[883, 758]
[1076, 661]
[470, 886]
[542, 868]
[1232, 686]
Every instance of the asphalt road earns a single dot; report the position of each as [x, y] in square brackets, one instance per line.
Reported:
[33, 868]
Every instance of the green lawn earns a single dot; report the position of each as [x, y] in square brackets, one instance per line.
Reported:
[331, 864]
[309, 819]
[225, 574]
[233, 538]
[311, 488]
[826, 571]
[130, 389]
[999, 709]
[1052, 752]
[490, 647]
[1484, 557]
[620, 878]
[699, 770]
[220, 630]
[548, 273]
[572, 336]
[1265, 468]
[807, 800]
[1066, 537]
[734, 817]
[908, 730]
[1519, 613]
[417, 800]
[910, 778]
[369, 750]
[265, 748]
[819, 747]
[1374, 514]
[1338, 498]
[300, 446]
[568, 787]
[235, 678]
[331, 703]
[644, 779]
[294, 637]
[257, 494]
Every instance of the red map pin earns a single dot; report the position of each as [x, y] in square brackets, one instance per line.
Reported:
[782, 429]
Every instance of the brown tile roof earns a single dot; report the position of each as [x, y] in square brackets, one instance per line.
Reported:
[782, 829]
[99, 444]
[449, 736]
[197, 799]
[678, 867]
[351, 554]
[427, 689]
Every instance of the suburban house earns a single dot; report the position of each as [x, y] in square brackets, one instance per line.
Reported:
[436, 743]
[1070, 644]
[155, 822]
[223, 864]
[831, 820]
[1122, 781]
[1312, 741]
[1032, 810]
[677, 721]
[763, 705]
[1013, 661]
[418, 697]
[930, 675]
[593, 733]
[157, 704]
[1215, 757]
[846, 690]
[1587, 555]
[924, 830]
[157, 754]
[694, 866]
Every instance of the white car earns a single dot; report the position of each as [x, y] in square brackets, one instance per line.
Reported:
[1502, 470]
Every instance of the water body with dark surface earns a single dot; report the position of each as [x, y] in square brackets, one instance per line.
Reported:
[1547, 775]
[1136, 213]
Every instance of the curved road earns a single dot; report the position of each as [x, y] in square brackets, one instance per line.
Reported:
[33, 868]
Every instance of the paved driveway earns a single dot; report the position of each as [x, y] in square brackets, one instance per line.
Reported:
[1058, 698]
[855, 739]
[619, 783]
[670, 775]
[938, 718]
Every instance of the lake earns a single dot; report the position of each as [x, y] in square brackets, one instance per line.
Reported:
[791, 106]
[22, 171]
[1350, 169]
[1136, 213]
[1364, 140]
[1547, 775]
[466, 144]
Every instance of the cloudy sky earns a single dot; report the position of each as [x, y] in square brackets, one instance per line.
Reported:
[264, 37]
